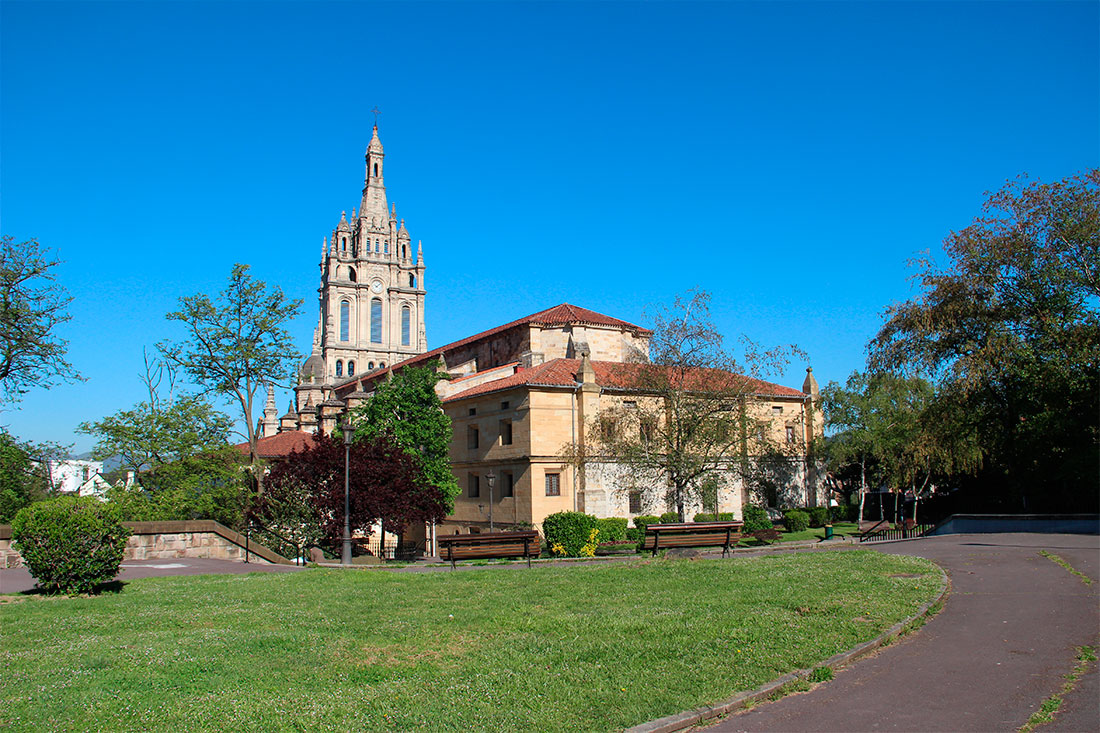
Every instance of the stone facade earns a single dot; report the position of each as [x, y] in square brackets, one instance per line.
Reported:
[370, 305]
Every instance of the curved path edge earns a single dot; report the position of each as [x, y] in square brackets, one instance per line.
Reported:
[690, 718]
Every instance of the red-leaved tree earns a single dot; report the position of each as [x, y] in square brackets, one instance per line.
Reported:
[304, 496]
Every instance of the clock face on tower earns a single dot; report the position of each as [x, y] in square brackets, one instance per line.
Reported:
[376, 286]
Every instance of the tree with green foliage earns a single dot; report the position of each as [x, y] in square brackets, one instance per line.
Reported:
[692, 419]
[32, 306]
[163, 429]
[23, 480]
[236, 343]
[406, 410]
[897, 426]
[1010, 331]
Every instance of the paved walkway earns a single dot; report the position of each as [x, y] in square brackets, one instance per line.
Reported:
[1002, 644]
[18, 580]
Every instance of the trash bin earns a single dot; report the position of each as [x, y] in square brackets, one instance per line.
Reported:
[828, 531]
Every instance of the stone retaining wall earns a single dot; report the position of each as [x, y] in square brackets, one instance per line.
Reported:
[169, 540]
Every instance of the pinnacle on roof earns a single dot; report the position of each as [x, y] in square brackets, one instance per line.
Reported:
[343, 226]
[375, 143]
[403, 232]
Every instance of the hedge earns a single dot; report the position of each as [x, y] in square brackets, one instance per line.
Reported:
[756, 518]
[612, 529]
[70, 544]
[796, 520]
[819, 516]
[571, 534]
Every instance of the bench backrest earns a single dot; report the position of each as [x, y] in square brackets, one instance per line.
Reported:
[694, 527]
[490, 544]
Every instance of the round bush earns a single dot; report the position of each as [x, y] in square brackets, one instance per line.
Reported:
[571, 534]
[819, 516]
[703, 517]
[612, 529]
[670, 518]
[756, 518]
[796, 520]
[644, 520]
[70, 544]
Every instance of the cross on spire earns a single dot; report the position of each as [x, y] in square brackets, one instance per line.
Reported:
[376, 112]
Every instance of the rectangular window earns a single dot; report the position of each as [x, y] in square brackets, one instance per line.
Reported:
[635, 502]
[345, 320]
[553, 484]
[607, 430]
[508, 484]
[777, 409]
[376, 320]
[505, 432]
[474, 486]
[790, 434]
[645, 430]
[406, 326]
[504, 405]
[471, 437]
[630, 404]
[473, 411]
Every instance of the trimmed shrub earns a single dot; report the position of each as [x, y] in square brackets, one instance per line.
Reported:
[796, 520]
[70, 544]
[756, 518]
[819, 516]
[634, 534]
[725, 516]
[704, 518]
[571, 534]
[612, 529]
[670, 518]
[644, 520]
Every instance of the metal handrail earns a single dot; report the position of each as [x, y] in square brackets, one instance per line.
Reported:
[298, 558]
[897, 533]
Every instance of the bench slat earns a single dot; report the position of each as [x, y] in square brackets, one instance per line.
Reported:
[692, 534]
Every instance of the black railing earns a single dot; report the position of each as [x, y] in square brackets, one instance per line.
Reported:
[880, 533]
[299, 559]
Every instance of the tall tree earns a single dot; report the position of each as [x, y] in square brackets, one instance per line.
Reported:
[693, 416]
[32, 305]
[406, 410]
[305, 493]
[164, 428]
[237, 342]
[897, 426]
[1011, 331]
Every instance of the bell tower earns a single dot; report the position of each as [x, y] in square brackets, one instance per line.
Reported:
[371, 296]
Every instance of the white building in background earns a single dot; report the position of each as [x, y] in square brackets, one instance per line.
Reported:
[83, 478]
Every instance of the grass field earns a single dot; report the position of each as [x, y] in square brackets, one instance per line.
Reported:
[582, 648]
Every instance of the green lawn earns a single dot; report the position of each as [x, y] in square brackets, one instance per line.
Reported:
[585, 648]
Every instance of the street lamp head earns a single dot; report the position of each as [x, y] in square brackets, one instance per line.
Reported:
[349, 432]
[491, 477]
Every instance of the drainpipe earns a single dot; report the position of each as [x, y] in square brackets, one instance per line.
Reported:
[573, 438]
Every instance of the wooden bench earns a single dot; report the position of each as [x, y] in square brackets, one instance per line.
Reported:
[525, 543]
[692, 534]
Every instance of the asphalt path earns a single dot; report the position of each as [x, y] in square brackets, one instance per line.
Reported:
[19, 580]
[1003, 643]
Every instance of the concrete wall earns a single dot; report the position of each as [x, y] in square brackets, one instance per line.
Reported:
[1045, 523]
[171, 540]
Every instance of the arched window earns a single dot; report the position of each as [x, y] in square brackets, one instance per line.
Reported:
[351, 368]
[386, 247]
[377, 246]
[404, 252]
[351, 274]
[343, 242]
[381, 365]
[375, 170]
[370, 366]
[376, 320]
[345, 320]
[412, 281]
[339, 368]
[406, 325]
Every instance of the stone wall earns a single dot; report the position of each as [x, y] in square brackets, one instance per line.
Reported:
[172, 540]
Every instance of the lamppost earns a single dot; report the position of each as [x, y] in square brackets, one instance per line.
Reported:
[345, 556]
[490, 478]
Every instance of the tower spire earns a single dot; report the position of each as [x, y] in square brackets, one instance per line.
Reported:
[373, 205]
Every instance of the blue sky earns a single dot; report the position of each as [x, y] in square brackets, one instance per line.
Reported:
[787, 157]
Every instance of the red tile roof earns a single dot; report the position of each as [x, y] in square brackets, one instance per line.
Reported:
[556, 316]
[280, 445]
[617, 375]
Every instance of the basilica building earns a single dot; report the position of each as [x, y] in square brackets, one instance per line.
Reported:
[519, 395]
